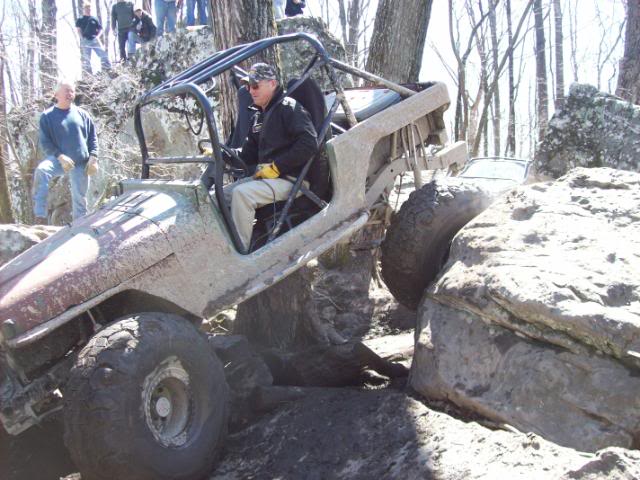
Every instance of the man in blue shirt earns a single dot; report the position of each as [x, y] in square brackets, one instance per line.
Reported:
[68, 138]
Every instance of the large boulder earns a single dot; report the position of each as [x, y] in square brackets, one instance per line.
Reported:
[535, 320]
[346, 434]
[295, 56]
[593, 129]
[15, 239]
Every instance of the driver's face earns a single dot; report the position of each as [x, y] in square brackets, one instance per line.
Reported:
[262, 92]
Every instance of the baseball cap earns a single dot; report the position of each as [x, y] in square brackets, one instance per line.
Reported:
[261, 71]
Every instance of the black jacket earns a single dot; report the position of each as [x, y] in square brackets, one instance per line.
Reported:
[144, 27]
[283, 134]
[293, 9]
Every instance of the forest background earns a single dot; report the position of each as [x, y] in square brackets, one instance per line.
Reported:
[508, 64]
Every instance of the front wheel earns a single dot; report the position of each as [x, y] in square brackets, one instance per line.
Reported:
[147, 399]
[417, 242]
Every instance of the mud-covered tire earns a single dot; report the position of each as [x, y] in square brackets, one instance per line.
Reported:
[146, 399]
[417, 241]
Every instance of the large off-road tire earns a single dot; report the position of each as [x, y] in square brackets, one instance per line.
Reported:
[417, 242]
[147, 399]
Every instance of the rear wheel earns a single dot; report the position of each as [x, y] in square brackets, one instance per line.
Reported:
[417, 242]
[147, 399]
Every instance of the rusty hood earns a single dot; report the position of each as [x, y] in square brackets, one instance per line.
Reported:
[94, 254]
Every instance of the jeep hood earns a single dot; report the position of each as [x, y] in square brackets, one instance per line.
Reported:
[94, 254]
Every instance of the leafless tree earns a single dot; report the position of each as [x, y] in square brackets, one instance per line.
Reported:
[559, 46]
[6, 215]
[511, 124]
[493, 85]
[541, 70]
[48, 34]
[463, 103]
[606, 48]
[629, 77]
[494, 58]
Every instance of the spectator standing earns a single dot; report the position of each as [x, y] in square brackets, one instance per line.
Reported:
[122, 17]
[294, 7]
[278, 7]
[68, 138]
[90, 29]
[143, 26]
[202, 12]
[166, 13]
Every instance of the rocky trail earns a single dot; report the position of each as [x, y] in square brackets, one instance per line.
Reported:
[358, 433]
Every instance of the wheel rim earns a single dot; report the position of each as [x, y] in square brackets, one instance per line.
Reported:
[168, 403]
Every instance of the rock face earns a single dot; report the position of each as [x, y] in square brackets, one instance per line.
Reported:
[295, 56]
[15, 239]
[535, 320]
[592, 130]
[346, 434]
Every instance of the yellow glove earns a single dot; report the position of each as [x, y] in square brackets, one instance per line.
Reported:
[267, 171]
[66, 162]
[208, 151]
[92, 166]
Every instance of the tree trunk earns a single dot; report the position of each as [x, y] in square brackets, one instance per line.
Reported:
[284, 316]
[541, 70]
[494, 57]
[399, 35]
[342, 16]
[629, 77]
[6, 215]
[557, 14]
[355, 13]
[511, 127]
[237, 22]
[48, 46]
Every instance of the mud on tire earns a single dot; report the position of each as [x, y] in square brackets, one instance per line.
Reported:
[147, 399]
[417, 242]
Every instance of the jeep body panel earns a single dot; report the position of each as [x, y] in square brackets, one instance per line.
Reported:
[96, 253]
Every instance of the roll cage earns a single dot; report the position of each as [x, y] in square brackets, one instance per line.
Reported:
[190, 83]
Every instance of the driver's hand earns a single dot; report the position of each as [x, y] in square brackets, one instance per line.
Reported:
[267, 171]
[206, 151]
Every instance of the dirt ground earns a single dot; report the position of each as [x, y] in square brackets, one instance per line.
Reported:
[37, 454]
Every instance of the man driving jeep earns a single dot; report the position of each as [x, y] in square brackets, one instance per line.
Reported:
[281, 140]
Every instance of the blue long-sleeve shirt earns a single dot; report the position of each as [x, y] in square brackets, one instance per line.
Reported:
[70, 132]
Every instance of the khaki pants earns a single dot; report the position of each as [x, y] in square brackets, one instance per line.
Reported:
[248, 194]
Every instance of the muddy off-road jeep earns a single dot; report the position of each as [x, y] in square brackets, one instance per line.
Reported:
[102, 319]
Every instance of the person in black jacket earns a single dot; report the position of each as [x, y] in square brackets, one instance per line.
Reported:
[143, 26]
[90, 29]
[294, 7]
[281, 140]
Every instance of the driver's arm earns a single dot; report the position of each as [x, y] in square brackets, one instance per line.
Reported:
[249, 151]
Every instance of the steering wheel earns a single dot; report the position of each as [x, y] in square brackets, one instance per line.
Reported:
[234, 165]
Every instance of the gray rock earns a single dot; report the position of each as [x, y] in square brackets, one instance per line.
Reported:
[295, 56]
[591, 130]
[587, 402]
[552, 271]
[15, 239]
[346, 434]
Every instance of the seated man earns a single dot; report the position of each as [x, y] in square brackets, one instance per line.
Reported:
[281, 140]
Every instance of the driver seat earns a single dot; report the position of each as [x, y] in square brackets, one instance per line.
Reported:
[312, 200]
